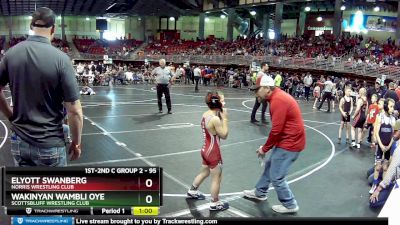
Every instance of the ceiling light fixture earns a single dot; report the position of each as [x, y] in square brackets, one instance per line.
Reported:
[111, 6]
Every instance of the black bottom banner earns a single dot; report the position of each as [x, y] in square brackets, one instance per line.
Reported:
[230, 221]
[58, 220]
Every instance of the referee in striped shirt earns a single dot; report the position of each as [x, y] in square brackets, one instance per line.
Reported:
[163, 80]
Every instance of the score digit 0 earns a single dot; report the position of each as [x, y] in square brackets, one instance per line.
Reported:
[149, 183]
[149, 199]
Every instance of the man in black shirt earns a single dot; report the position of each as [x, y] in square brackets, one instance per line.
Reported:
[42, 81]
[377, 89]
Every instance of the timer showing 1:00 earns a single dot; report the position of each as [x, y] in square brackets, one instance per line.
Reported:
[145, 211]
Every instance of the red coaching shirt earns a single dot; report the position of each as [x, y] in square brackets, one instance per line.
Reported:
[287, 130]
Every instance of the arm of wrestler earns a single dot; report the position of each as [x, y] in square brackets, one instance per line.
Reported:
[221, 125]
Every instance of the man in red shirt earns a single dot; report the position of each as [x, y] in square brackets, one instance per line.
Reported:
[286, 139]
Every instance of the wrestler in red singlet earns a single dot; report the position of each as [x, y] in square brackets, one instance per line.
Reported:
[210, 152]
[214, 125]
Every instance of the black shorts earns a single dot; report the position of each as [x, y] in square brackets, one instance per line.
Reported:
[380, 156]
[346, 118]
[359, 121]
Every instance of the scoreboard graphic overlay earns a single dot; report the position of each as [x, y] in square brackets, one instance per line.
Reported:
[82, 191]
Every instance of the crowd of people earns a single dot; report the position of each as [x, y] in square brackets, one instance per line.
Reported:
[319, 46]
[312, 47]
[368, 113]
[99, 74]
[361, 107]
[210, 46]
[359, 51]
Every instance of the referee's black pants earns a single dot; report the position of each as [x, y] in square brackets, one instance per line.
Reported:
[255, 108]
[328, 97]
[306, 92]
[163, 89]
[197, 79]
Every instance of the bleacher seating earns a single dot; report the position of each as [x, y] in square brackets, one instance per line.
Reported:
[104, 47]
[16, 40]
[56, 42]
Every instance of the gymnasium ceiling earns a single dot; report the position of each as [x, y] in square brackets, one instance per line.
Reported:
[119, 8]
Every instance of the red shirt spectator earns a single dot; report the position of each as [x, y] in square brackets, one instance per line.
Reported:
[373, 111]
[287, 130]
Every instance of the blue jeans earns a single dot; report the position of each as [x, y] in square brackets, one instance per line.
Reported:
[383, 196]
[26, 155]
[276, 168]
